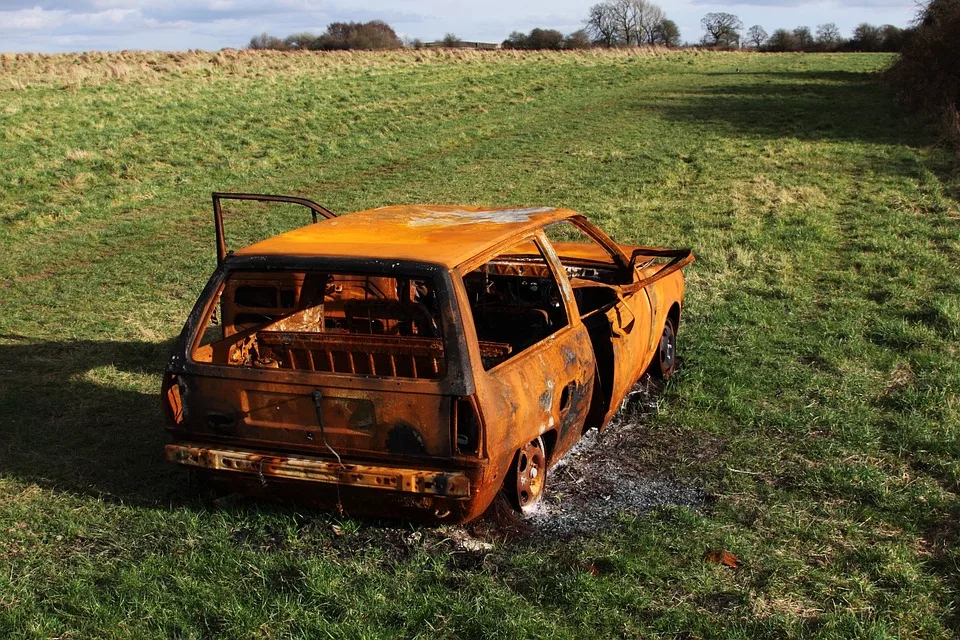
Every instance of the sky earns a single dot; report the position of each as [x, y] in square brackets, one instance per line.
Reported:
[85, 25]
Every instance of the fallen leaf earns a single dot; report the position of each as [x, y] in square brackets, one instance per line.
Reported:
[723, 557]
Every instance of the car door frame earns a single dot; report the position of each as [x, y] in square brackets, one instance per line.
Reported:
[544, 390]
[631, 345]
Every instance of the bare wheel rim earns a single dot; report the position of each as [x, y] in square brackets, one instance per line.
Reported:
[668, 350]
[530, 473]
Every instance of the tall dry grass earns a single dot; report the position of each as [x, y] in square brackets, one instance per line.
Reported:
[76, 70]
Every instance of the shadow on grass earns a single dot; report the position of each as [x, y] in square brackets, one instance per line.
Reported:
[839, 106]
[74, 418]
[943, 540]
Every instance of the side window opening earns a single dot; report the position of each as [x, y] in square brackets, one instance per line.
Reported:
[358, 324]
[515, 301]
[586, 261]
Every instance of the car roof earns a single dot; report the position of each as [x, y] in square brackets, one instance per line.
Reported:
[440, 234]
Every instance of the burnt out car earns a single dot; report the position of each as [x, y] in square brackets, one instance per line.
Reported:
[414, 361]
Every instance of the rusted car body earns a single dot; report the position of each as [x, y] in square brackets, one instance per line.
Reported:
[411, 361]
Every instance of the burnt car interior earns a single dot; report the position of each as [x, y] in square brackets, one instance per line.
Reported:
[356, 324]
[515, 302]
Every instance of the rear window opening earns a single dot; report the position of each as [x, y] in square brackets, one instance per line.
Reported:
[357, 324]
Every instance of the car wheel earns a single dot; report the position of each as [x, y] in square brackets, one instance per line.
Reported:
[665, 362]
[528, 476]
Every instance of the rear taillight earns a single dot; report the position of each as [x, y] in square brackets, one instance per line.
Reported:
[465, 429]
[170, 397]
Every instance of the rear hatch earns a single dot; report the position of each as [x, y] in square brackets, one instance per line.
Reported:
[323, 361]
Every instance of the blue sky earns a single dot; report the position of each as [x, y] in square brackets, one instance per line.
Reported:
[82, 25]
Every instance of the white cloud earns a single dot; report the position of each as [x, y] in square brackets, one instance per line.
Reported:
[65, 25]
[34, 19]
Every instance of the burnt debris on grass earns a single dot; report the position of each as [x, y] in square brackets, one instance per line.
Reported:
[602, 479]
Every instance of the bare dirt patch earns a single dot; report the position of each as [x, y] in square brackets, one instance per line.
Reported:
[605, 477]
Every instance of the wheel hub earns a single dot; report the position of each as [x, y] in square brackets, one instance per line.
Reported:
[530, 472]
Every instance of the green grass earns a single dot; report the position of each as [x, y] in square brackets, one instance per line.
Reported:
[817, 401]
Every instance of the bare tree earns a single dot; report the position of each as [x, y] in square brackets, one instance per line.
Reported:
[723, 29]
[625, 22]
[601, 26]
[372, 35]
[866, 37]
[828, 37]
[893, 37]
[267, 41]
[756, 35]
[451, 40]
[804, 37]
[647, 17]
[304, 40]
[579, 39]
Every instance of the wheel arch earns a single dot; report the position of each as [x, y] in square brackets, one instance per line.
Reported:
[550, 444]
[674, 316]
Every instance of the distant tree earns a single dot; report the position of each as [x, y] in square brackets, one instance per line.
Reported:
[625, 22]
[579, 39]
[667, 33]
[516, 40]
[756, 35]
[536, 39]
[828, 37]
[302, 41]
[866, 37]
[601, 26]
[722, 30]
[451, 40]
[649, 20]
[892, 38]
[375, 34]
[804, 38]
[266, 41]
[782, 40]
[545, 39]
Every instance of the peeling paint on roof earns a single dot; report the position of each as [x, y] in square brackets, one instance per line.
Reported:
[459, 216]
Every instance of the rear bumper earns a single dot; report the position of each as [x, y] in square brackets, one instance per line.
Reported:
[449, 484]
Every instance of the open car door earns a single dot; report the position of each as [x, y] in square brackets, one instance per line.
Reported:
[315, 211]
[622, 306]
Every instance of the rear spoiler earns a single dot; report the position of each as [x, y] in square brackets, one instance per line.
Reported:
[315, 210]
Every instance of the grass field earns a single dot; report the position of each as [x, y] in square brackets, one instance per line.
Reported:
[817, 403]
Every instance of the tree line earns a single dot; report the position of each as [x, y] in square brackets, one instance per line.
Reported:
[612, 23]
[615, 23]
[724, 30]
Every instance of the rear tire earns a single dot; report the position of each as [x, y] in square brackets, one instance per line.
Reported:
[665, 362]
[527, 479]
